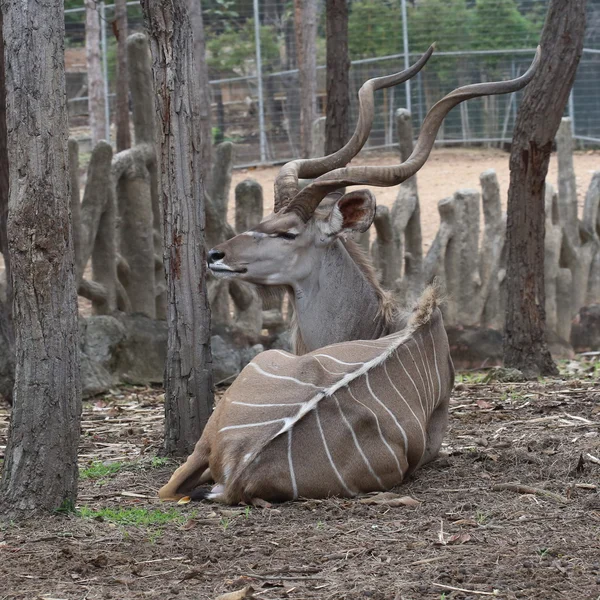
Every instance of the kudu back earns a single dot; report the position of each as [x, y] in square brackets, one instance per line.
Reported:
[346, 419]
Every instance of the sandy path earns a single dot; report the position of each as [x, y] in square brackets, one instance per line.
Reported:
[447, 170]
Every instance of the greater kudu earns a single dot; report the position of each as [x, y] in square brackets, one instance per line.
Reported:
[369, 406]
[333, 287]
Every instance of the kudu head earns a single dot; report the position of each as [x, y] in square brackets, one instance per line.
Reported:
[289, 243]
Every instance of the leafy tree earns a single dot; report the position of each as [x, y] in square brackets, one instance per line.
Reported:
[374, 29]
[234, 50]
[498, 25]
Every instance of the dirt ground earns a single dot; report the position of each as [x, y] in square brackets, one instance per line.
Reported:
[466, 539]
[447, 170]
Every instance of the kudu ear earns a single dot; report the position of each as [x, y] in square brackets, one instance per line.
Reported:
[354, 211]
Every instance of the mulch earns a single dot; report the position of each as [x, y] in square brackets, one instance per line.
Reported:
[511, 509]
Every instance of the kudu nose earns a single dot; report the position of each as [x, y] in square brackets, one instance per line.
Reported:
[214, 255]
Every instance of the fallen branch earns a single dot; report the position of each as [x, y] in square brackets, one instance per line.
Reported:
[526, 489]
[592, 459]
[285, 577]
[457, 589]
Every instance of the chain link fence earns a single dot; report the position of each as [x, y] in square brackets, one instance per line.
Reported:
[254, 81]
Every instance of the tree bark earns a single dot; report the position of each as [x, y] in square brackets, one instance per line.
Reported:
[537, 123]
[204, 93]
[94, 72]
[188, 376]
[7, 337]
[122, 91]
[305, 14]
[338, 78]
[40, 470]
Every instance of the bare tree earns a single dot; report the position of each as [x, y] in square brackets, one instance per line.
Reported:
[537, 123]
[305, 15]
[338, 79]
[96, 106]
[188, 377]
[40, 470]
[7, 338]
[122, 88]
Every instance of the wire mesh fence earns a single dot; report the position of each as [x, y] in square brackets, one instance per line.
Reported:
[252, 42]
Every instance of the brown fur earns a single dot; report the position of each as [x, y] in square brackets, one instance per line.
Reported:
[388, 308]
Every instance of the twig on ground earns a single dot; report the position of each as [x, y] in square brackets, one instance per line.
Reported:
[526, 489]
[593, 459]
[457, 589]
[284, 577]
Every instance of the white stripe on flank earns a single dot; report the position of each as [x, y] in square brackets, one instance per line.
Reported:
[265, 405]
[291, 465]
[379, 430]
[407, 405]
[428, 375]
[327, 370]
[426, 405]
[263, 372]
[389, 412]
[260, 424]
[436, 369]
[341, 362]
[338, 475]
[360, 450]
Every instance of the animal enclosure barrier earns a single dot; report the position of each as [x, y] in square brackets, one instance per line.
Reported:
[254, 78]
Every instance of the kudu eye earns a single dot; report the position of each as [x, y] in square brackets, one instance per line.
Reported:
[287, 235]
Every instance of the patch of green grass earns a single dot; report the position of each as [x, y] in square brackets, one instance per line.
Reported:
[99, 470]
[159, 461]
[481, 517]
[136, 517]
[470, 378]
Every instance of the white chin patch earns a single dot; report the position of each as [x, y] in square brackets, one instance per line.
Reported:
[222, 274]
[221, 270]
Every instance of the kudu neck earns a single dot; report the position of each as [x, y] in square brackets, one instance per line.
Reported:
[336, 302]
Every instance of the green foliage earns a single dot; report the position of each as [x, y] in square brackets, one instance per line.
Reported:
[136, 517]
[98, 470]
[498, 25]
[446, 22]
[374, 29]
[67, 507]
[233, 50]
[159, 461]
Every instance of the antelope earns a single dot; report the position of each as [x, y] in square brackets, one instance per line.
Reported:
[363, 401]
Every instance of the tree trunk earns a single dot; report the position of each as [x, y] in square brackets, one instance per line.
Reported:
[94, 72]
[537, 123]
[40, 470]
[7, 337]
[188, 377]
[204, 103]
[122, 91]
[338, 79]
[305, 14]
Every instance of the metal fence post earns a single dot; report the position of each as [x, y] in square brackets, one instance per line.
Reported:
[261, 102]
[105, 68]
[572, 108]
[406, 56]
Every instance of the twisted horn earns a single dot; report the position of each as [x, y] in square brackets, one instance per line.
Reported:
[286, 183]
[307, 200]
